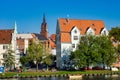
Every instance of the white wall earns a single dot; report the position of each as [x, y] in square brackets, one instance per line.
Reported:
[104, 32]
[53, 51]
[90, 31]
[25, 45]
[75, 32]
[2, 51]
[66, 49]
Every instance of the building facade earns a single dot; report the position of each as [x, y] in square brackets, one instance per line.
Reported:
[44, 38]
[69, 32]
[8, 41]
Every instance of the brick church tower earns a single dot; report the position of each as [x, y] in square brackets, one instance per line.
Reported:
[44, 28]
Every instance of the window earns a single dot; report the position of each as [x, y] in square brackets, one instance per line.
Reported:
[104, 32]
[75, 37]
[75, 31]
[5, 47]
[73, 45]
[4, 55]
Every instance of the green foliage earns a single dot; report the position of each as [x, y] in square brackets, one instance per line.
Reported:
[23, 60]
[47, 60]
[115, 32]
[35, 53]
[8, 58]
[118, 48]
[94, 50]
[107, 50]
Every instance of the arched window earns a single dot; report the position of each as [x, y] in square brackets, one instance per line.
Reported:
[75, 31]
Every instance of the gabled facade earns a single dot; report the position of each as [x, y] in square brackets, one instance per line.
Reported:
[5, 42]
[69, 32]
[23, 41]
[8, 40]
[43, 37]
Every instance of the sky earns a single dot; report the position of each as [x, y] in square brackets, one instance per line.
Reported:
[28, 14]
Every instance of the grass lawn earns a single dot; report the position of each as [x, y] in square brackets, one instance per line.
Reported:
[40, 73]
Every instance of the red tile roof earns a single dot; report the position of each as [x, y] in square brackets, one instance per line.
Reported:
[65, 37]
[53, 37]
[66, 25]
[52, 44]
[6, 36]
[82, 25]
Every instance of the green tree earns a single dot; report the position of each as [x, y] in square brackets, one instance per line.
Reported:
[86, 53]
[94, 50]
[48, 60]
[107, 51]
[23, 60]
[36, 53]
[9, 58]
[115, 32]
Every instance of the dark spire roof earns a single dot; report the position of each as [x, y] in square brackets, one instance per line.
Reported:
[44, 19]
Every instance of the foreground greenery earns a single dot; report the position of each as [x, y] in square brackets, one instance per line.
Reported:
[48, 73]
[93, 50]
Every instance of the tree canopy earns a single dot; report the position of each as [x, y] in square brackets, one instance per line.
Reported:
[94, 50]
[38, 54]
[9, 58]
[115, 32]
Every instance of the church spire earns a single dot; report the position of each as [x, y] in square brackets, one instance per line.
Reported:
[44, 29]
[44, 19]
[15, 27]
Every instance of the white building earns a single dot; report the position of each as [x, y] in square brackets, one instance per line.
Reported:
[8, 40]
[69, 32]
[23, 41]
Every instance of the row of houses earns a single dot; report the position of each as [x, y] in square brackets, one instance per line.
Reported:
[66, 39]
[19, 43]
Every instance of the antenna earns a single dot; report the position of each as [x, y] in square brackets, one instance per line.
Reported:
[67, 17]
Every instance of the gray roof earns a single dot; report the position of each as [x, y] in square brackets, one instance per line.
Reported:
[40, 37]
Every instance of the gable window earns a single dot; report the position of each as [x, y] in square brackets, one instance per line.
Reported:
[73, 45]
[75, 37]
[75, 31]
[5, 47]
[104, 32]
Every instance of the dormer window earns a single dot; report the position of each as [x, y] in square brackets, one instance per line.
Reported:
[104, 32]
[75, 31]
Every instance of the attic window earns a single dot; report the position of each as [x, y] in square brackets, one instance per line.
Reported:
[104, 32]
[75, 31]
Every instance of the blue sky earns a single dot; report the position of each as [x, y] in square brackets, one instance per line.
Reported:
[29, 13]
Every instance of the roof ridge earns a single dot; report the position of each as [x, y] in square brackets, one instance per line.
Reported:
[6, 29]
[81, 19]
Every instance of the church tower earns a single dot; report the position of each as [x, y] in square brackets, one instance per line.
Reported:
[44, 29]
